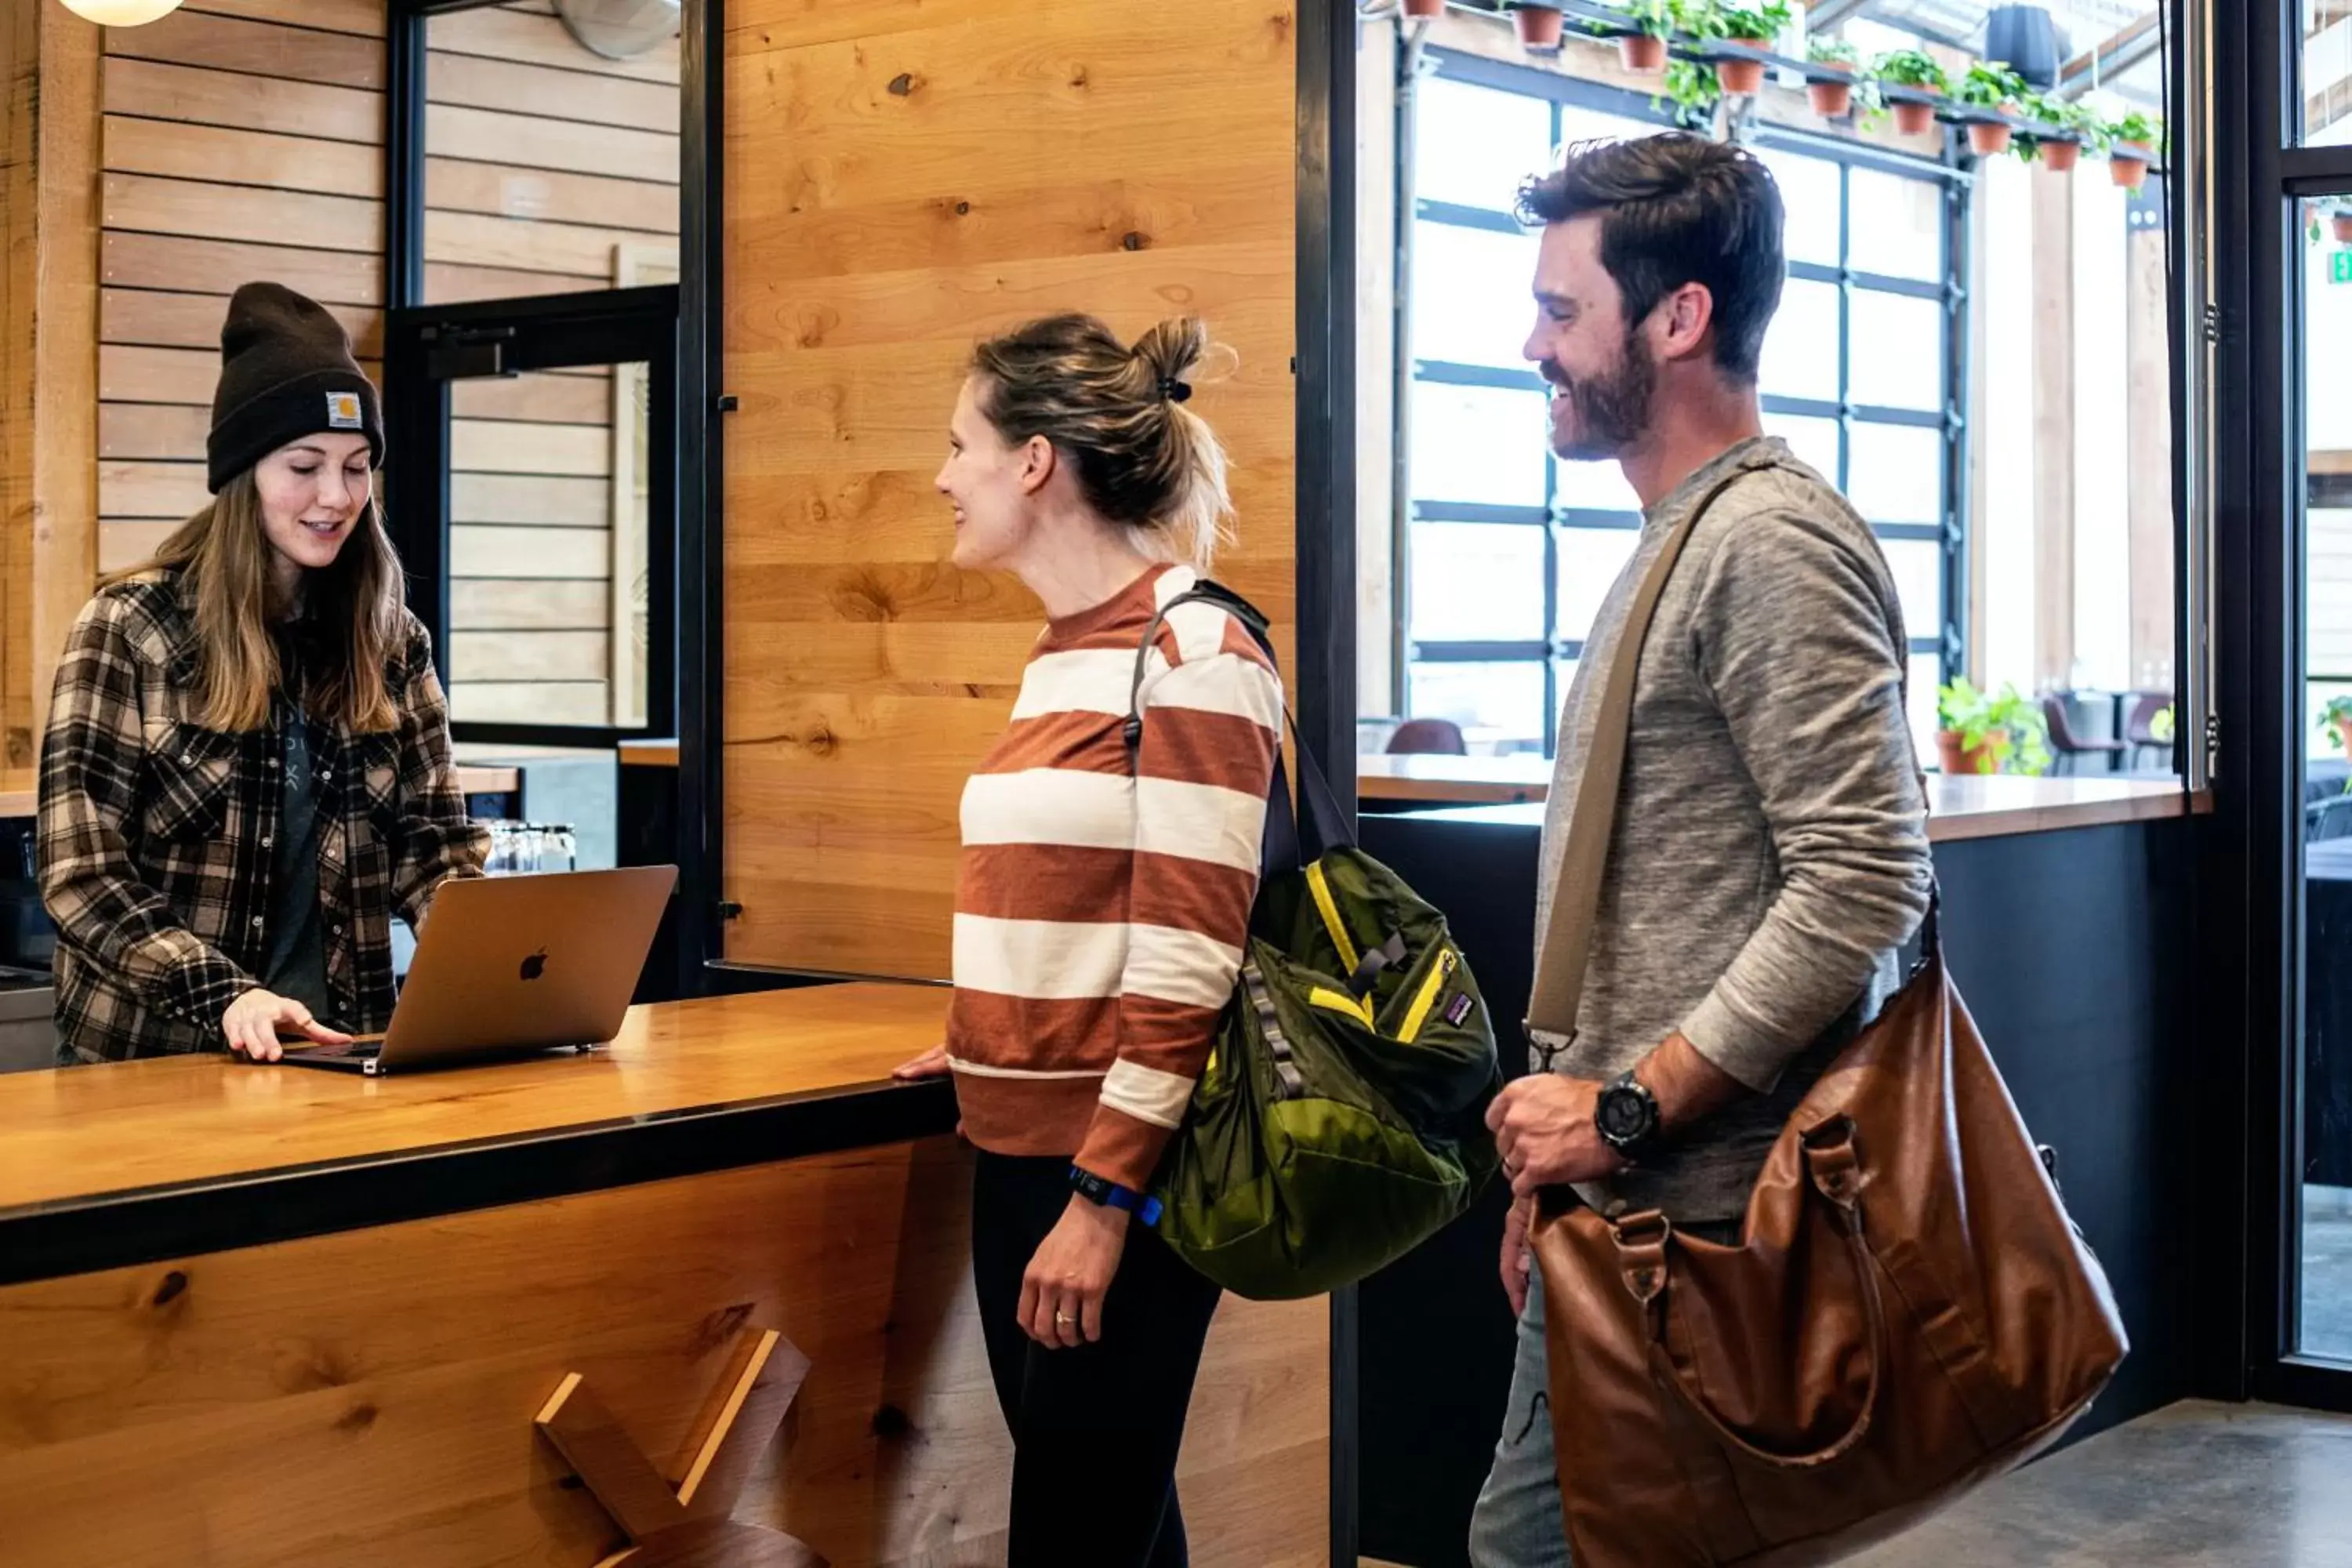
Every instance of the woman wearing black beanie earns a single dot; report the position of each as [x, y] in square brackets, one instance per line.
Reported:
[246, 770]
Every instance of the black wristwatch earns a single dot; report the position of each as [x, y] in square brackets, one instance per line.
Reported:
[1626, 1116]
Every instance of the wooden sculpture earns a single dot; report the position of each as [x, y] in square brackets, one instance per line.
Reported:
[689, 1525]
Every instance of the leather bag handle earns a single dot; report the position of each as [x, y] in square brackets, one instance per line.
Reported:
[1558, 990]
[1834, 1168]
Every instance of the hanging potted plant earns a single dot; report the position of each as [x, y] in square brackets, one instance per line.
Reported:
[2337, 717]
[1424, 10]
[1988, 733]
[1539, 25]
[1644, 52]
[1755, 26]
[1918, 70]
[1993, 86]
[2068, 123]
[1831, 89]
[2136, 134]
[2341, 221]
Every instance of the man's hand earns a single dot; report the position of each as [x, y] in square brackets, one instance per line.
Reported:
[1544, 1130]
[1516, 1259]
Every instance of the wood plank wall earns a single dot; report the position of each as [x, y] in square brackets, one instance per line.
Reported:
[49, 355]
[904, 176]
[550, 170]
[243, 140]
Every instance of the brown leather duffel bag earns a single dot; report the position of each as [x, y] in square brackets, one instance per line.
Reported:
[1909, 1311]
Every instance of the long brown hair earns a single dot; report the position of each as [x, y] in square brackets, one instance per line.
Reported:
[223, 557]
[1143, 458]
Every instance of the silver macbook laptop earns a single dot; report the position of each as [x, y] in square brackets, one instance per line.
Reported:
[512, 964]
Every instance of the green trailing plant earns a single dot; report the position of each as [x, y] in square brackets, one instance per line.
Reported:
[1911, 68]
[1658, 18]
[1692, 88]
[1837, 52]
[2335, 718]
[2133, 125]
[1990, 84]
[2159, 728]
[1754, 24]
[2006, 727]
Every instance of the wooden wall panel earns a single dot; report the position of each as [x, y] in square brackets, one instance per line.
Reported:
[48, 370]
[242, 140]
[395, 1371]
[901, 179]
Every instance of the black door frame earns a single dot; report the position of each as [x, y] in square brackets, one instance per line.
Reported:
[427, 348]
[2252, 862]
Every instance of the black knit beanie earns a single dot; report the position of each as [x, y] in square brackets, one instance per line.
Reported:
[287, 371]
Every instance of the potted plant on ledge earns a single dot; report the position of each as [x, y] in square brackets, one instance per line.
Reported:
[1989, 733]
[2337, 718]
[1831, 89]
[1644, 53]
[1993, 87]
[1755, 26]
[2070, 123]
[2135, 135]
[1538, 25]
[1918, 70]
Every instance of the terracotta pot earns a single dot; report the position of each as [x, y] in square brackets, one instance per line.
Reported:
[2344, 735]
[1958, 760]
[1914, 119]
[1832, 100]
[2128, 172]
[1987, 139]
[1424, 10]
[2061, 155]
[1741, 76]
[1538, 26]
[2342, 224]
[1641, 54]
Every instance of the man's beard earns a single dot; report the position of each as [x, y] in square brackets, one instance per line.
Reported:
[1611, 412]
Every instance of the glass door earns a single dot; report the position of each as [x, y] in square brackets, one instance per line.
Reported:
[533, 497]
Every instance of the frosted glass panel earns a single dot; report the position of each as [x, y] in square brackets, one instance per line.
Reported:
[1896, 473]
[1814, 442]
[1898, 360]
[1475, 145]
[1477, 581]
[1800, 348]
[1904, 233]
[1478, 443]
[1473, 301]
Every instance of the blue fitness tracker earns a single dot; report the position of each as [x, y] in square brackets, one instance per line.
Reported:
[1110, 1194]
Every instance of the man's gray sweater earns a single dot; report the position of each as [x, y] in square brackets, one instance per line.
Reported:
[1771, 849]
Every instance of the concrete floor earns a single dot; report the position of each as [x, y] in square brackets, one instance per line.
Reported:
[2195, 1485]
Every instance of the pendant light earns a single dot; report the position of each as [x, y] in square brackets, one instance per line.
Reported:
[121, 13]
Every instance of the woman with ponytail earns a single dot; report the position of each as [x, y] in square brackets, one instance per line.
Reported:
[1101, 911]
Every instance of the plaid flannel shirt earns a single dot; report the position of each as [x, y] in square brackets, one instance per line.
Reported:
[156, 834]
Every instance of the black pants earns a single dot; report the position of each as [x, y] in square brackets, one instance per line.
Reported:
[1095, 1428]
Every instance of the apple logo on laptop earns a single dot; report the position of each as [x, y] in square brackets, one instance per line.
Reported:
[535, 965]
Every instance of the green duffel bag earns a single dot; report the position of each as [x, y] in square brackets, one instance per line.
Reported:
[1341, 1120]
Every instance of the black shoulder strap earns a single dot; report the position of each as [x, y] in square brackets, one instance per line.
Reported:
[1288, 843]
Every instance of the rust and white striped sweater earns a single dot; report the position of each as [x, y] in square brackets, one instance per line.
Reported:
[1100, 914]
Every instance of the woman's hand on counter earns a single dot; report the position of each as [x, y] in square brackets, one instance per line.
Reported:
[932, 1063]
[254, 1022]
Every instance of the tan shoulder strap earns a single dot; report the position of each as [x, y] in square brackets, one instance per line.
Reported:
[1558, 988]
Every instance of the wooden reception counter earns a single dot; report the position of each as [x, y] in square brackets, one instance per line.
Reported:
[263, 1317]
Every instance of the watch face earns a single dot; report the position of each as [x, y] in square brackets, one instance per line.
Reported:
[1623, 1113]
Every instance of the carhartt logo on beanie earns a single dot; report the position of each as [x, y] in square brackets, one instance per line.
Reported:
[287, 371]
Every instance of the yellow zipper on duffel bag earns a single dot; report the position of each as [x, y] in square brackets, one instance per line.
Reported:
[1448, 960]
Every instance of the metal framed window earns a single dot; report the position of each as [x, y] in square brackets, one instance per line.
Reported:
[1506, 550]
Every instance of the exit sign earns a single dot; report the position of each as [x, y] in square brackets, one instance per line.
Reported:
[2339, 266]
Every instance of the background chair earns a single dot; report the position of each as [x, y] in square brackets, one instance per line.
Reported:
[1428, 737]
[2069, 749]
